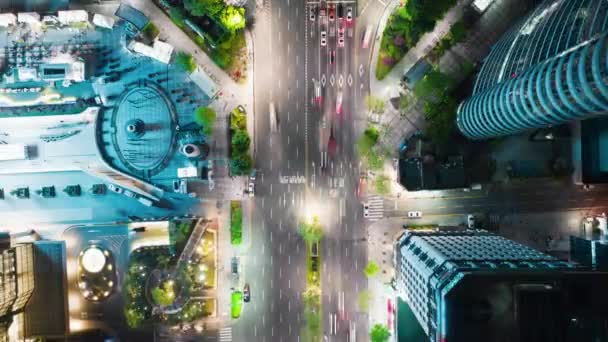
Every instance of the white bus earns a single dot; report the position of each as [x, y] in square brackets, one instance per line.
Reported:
[14, 152]
[367, 35]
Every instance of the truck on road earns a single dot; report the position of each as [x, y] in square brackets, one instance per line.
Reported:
[14, 152]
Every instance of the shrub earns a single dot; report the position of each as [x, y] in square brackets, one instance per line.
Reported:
[150, 31]
[236, 223]
[240, 142]
[205, 117]
[177, 17]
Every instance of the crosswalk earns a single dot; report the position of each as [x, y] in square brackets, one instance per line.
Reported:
[373, 209]
[226, 334]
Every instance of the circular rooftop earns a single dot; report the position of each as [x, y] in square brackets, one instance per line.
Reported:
[144, 125]
[93, 260]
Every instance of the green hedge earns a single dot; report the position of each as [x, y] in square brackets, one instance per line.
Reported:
[236, 304]
[236, 223]
[240, 160]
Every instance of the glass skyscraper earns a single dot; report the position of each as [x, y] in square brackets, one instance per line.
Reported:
[549, 69]
[465, 285]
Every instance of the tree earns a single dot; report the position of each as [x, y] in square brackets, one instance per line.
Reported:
[185, 61]
[205, 116]
[379, 333]
[233, 18]
[375, 161]
[240, 141]
[134, 317]
[363, 299]
[150, 31]
[177, 16]
[164, 295]
[382, 185]
[311, 232]
[240, 164]
[367, 140]
[204, 7]
[371, 269]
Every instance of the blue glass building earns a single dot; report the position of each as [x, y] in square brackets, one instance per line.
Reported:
[551, 68]
[465, 285]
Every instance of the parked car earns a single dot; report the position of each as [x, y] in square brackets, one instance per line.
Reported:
[246, 294]
[130, 194]
[115, 188]
[234, 265]
[414, 214]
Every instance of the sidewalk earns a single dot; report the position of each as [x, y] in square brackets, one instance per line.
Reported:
[399, 125]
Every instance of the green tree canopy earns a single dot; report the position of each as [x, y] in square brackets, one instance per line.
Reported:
[205, 116]
[241, 141]
[311, 231]
[204, 7]
[134, 317]
[164, 295]
[379, 333]
[367, 140]
[233, 18]
[382, 185]
[240, 164]
[371, 269]
[185, 61]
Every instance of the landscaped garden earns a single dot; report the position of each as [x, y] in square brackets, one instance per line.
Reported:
[240, 160]
[215, 27]
[405, 27]
[236, 223]
[154, 280]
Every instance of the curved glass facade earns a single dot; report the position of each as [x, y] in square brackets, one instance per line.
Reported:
[549, 69]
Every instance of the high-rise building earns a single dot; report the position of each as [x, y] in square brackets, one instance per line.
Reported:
[470, 285]
[16, 282]
[551, 68]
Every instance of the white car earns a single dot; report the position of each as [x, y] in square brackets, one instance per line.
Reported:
[349, 14]
[323, 38]
[115, 188]
[470, 221]
[130, 194]
[251, 189]
[414, 214]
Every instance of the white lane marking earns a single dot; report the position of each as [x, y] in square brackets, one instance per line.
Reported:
[271, 192]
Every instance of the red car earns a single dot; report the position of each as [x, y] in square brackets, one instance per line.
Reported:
[339, 103]
[332, 12]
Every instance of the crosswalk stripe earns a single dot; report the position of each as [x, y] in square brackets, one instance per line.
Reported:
[226, 335]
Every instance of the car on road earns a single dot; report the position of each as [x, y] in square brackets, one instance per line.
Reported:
[332, 12]
[138, 229]
[274, 119]
[349, 14]
[323, 38]
[130, 194]
[318, 95]
[341, 37]
[115, 188]
[246, 294]
[339, 103]
[251, 189]
[471, 221]
[414, 214]
[331, 57]
[340, 11]
[312, 15]
[234, 266]
[322, 9]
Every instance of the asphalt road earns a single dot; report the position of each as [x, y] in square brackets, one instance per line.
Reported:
[291, 184]
[503, 200]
